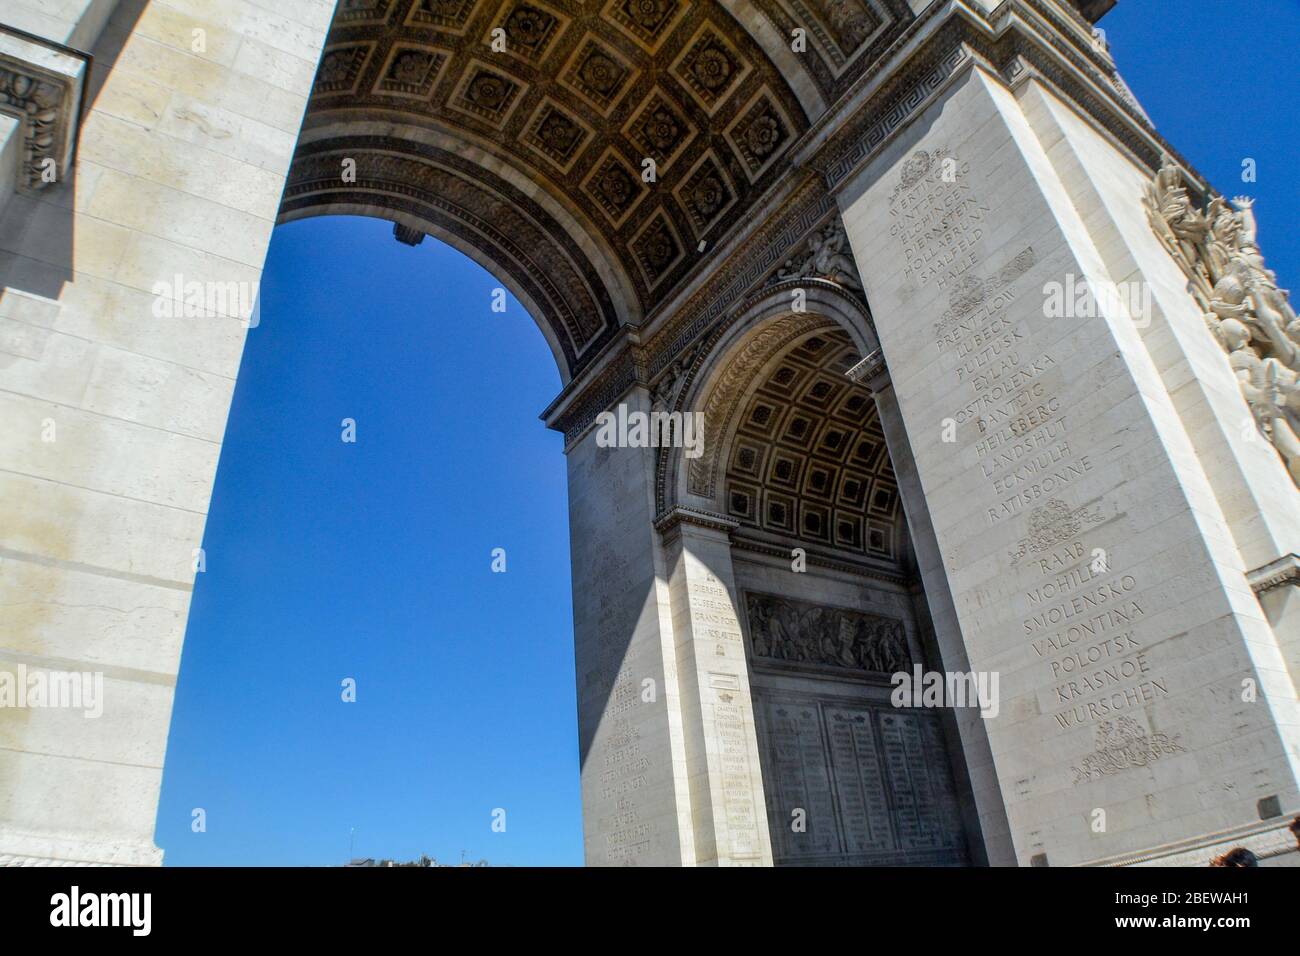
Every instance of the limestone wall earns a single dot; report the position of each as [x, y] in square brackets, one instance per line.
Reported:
[114, 409]
[1091, 563]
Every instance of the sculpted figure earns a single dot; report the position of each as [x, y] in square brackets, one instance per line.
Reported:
[896, 655]
[844, 653]
[830, 261]
[662, 399]
[806, 638]
[824, 258]
[1271, 389]
[1277, 320]
[760, 630]
[1243, 307]
[788, 622]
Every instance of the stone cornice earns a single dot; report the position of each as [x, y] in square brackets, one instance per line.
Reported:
[575, 409]
[1019, 34]
[43, 86]
[561, 408]
[1280, 573]
[703, 519]
[867, 370]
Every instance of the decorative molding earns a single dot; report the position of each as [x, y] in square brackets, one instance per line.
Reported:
[868, 368]
[1280, 573]
[741, 541]
[624, 371]
[704, 519]
[510, 228]
[721, 403]
[43, 86]
[1018, 35]
[853, 149]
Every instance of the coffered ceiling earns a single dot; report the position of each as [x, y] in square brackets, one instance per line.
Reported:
[522, 131]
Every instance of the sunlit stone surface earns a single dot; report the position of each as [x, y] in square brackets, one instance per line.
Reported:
[922, 271]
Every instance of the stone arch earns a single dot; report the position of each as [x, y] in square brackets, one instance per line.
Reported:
[825, 638]
[181, 170]
[729, 365]
[532, 155]
[482, 215]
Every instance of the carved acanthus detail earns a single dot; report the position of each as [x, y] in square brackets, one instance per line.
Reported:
[46, 111]
[1249, 316]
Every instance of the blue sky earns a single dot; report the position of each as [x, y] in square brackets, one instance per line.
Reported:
[372, 560]
[328, 560]
[1219, 81]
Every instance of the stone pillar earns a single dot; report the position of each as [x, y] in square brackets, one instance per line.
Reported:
[1259, 499]
[114, 406]
[1145, 699]
[635, 796]
[729, 814]
[977, 760]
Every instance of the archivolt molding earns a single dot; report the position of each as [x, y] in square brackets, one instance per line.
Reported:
[793, 448]
[580, 94]
[736, 377]
[509, 228]
[714, 374]
[474, 153]
[786, 241]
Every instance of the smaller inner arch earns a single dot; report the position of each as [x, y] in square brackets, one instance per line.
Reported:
[808, 459]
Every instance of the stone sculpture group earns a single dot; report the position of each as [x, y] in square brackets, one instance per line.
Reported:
[1243, 307]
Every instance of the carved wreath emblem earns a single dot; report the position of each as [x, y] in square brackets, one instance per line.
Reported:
[914, 169]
